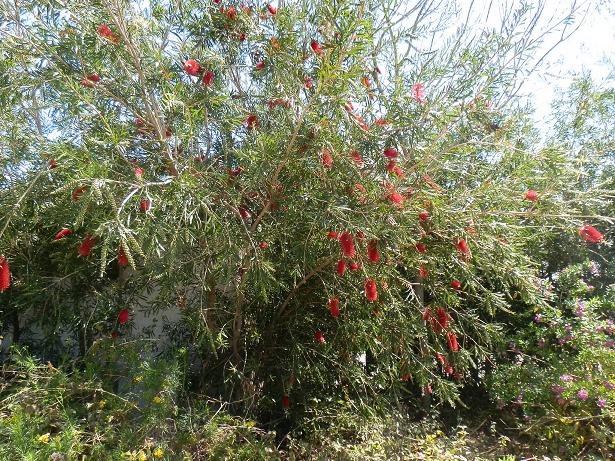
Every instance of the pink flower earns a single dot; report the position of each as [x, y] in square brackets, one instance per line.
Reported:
[418, 92]
[138, 172]
[583, 394]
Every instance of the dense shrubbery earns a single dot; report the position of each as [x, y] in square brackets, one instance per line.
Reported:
[297, 192]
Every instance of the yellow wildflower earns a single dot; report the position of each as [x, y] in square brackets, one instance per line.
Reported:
[44, 438]
[157, 400]
[158, 453]
[101, 404]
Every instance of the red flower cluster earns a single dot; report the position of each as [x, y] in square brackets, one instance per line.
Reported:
[252, 121]
[462, 247]
[591, 234]
[316, 48]
[123, 316]
[63, 233]
[272, 9]
[455, 284]
[397, 199]
[340, 267]
[451, 340]
[371, 292]
[391, 153]
[286, 402]
[347, 244]
[334, 307]
[122, 259]
[85, 249]
[326, 159]
[192, 67]
[332, 235]
[531, 195]
[208, 78]
[145, 205]
[5, 274]
[420, 248]
[438, 322]
[105, 31]
[372, 251]
[319, 337]
[358, 159]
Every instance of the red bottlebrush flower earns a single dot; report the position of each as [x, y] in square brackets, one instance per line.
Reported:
[397, 199]
[115, 335]
[360, 188]
[5, 274]
[316, 48]
[272, 9]
[234, 172]
[332, 235]
[259, 65]
[263, 245]
[348, 107]
[122, 259]
[319, 337]
[286, 402]
[93, 78]
[405, 377]
[382, 122]
[347, 244]
[192, 67]
[138, 172]
[52, 164]
[391, 166]
[105, 31]
[451, 340]
[371, 292]
[372, 251]
[420, 248]
[252, 121]
[462, 247]
[455, 284]
[418, 92]
[531, 195]
[354, 266]
[365, 82]
[591, 234]
[424, 272]
[244, 213]
[272, 103]
[391, 153]
[399, 172]
[231, 13]
[77, 193]
[360, 235]
[340, 268]
[357, 157]
[424, 216]
[85, 249]
[208, 78]
[443, 317]
[334, 307]
[308, 82]
[86, 83]
[123, 316]
[448, 369]
[326, 159]
[441, 358]
[145, 205]
[63, 233]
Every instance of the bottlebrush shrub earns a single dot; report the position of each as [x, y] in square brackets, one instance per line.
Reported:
[227, 163]
[560, 376]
